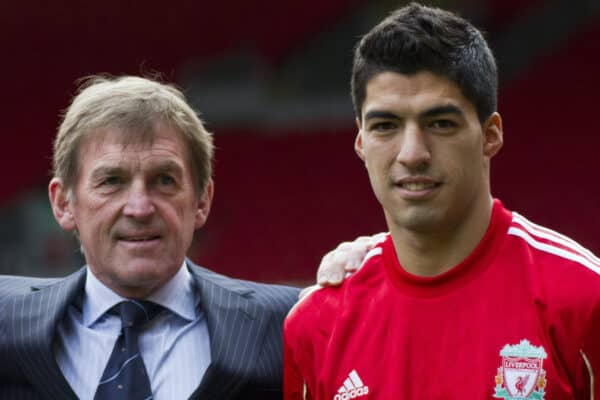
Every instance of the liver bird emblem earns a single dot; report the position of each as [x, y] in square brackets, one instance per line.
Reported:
[521, 383]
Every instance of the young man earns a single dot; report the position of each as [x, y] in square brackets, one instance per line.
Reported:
[464, 299]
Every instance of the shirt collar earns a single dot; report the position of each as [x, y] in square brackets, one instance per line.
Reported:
[177, 295]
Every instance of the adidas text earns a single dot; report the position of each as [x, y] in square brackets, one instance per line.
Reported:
[354, 393]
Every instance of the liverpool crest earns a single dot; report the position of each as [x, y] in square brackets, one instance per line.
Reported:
[521, 375]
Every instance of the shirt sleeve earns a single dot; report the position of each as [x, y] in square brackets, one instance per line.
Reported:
[294, 386]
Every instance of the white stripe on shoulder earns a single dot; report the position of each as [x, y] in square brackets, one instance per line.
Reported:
[306, 292]
[373, 252]
[554, 250]
[370, 254]
[549, 234]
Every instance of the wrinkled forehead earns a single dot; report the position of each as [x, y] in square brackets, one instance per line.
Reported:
[137, 136]
[116, 145]
[142, 133]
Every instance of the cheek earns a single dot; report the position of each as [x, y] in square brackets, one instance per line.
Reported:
[100, 213]
[376, 172]
[92, 206]
[467, 166]
[378, 160]
[178, 216]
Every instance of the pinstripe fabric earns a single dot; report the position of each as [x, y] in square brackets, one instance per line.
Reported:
[29, 322]
[244, 323]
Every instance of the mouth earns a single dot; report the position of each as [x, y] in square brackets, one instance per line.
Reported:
[141, 239]
[417, 187]
[138, 238]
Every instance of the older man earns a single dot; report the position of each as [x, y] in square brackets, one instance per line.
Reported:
[132, 179]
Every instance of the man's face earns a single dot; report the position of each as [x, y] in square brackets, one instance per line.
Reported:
[425, 150]
[134, 207]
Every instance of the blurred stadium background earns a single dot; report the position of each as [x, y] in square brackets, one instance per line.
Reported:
[270, 78]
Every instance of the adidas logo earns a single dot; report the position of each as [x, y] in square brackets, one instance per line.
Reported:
[352, 388]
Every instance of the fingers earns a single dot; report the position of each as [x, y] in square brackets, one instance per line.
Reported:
[347, 258]
[331, 270]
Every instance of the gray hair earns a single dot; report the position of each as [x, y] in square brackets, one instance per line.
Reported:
[135, 105]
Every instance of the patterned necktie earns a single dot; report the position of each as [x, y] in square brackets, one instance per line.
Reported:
[125, 375]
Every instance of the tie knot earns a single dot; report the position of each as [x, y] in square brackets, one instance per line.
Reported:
[136, 313]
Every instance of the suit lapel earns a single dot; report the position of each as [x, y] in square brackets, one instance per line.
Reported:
[32, 320]
[236, 323]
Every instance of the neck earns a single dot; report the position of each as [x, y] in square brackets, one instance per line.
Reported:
[434, 252]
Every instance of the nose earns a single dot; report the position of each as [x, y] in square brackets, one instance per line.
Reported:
[414, 152]
[139, 203]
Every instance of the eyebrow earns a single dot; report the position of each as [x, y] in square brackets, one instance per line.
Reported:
[380, 114]
[169, 167]
[439, 110]
[106, 171]
[432, 112]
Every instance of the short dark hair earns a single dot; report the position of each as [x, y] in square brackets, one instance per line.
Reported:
[417, 38]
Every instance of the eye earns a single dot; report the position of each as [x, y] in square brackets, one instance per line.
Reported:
[165, 180]
[383, 126]
[113, 180]
[443, 124]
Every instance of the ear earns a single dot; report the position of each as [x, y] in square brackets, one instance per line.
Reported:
[358, 142]
[204, 204]
[493, 136]
[61, 203]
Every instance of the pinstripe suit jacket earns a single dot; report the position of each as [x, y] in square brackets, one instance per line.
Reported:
[244, 324]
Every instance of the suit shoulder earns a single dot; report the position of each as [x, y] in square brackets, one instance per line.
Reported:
[275, 298]
[11, 285]
[270, 296]
[270, 290]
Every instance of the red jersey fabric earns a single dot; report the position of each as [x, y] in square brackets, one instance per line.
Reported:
[519, 318]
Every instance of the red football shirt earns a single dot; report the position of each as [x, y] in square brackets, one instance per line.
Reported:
[519, 318]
